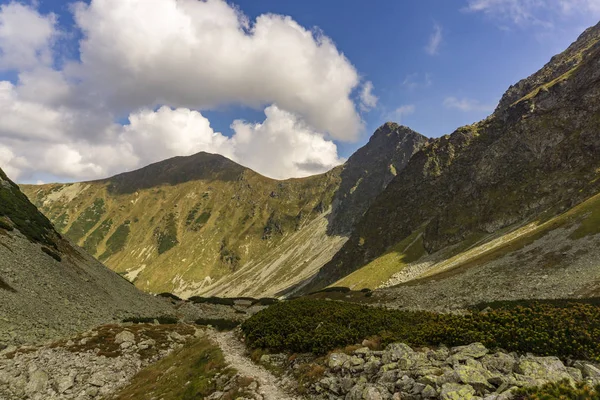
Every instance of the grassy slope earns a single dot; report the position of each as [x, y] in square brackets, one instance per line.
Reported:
[582, 221]
[179, 238]
[188, 373]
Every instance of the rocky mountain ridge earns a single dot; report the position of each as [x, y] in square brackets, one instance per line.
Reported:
[536, 157]
[205, 225]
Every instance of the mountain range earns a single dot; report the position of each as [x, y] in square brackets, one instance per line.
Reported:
[504, 208]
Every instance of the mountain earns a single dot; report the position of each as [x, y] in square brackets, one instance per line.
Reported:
[205, 225]
[503, 208]
[49, 288]
[368, 172]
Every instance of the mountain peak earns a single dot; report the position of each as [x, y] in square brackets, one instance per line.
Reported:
[176, 170]
[370, 169]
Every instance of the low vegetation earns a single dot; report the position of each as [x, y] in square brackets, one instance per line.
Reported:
[219, 324]
[568, 331]
[166, 238]
[189, 373]
[24, 216]
[52, 253]
[86, 220]
[162, 320]
[117, 241]
[560, 390]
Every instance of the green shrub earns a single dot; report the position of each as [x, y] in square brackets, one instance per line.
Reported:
[305, 325]
[219, 324]
[559, 390]
[265, 301]
[225, 301]
[24, 215]
[4, 224]
[163, 320]
[86, 220]
[169, 296]
[52, 254]
[334, 289]
[93, 240]
[166, 238]
[116, 242]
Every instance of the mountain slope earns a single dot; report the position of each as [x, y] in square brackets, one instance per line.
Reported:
[537, 156]
[48, 288]
[205, 225]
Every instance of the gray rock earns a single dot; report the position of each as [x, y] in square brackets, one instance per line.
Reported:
[37, 382]
[455, 391]
[543, 368]
[474, 350]
[124, 337]
[499, 362]
[66, 382]
[337, 360]
[396, 351]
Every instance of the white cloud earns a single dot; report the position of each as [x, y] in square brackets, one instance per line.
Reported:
[435, 40]
[25, 37]
[269, 147]
[466, 105]
[202, 54]
[162, 66]
[540, 12]
[399, 113]
[368, 100]
[280, 147]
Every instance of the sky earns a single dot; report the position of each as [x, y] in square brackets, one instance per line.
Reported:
[288, 88]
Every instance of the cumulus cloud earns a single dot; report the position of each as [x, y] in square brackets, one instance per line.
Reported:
[466, 105]
[302, 154]
[368, 100]
[435, 40]
[25, 37]
[202, 54]
[282, 146]
[160, 67]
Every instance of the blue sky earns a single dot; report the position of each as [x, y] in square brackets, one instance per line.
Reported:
[434, 65]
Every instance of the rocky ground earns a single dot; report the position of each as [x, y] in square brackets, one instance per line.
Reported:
[89, 366]
[400, 372]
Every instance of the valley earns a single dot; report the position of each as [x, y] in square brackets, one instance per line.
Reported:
[458, 267]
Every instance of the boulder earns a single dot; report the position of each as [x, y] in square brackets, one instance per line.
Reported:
[549, 369]
[499, 362]
[475, 377]
[124, 337]
[337, 360]
[455, 391]
[37, 383]
[473, 350]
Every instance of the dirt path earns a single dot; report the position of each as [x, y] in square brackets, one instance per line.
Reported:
[234, 352]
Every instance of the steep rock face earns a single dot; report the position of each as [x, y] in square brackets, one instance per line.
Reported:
[48, 288]
[205, 225]
[368, 172]
[538, 155]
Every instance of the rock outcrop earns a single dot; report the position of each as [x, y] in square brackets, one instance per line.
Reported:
[464, 372]
[89, 366]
